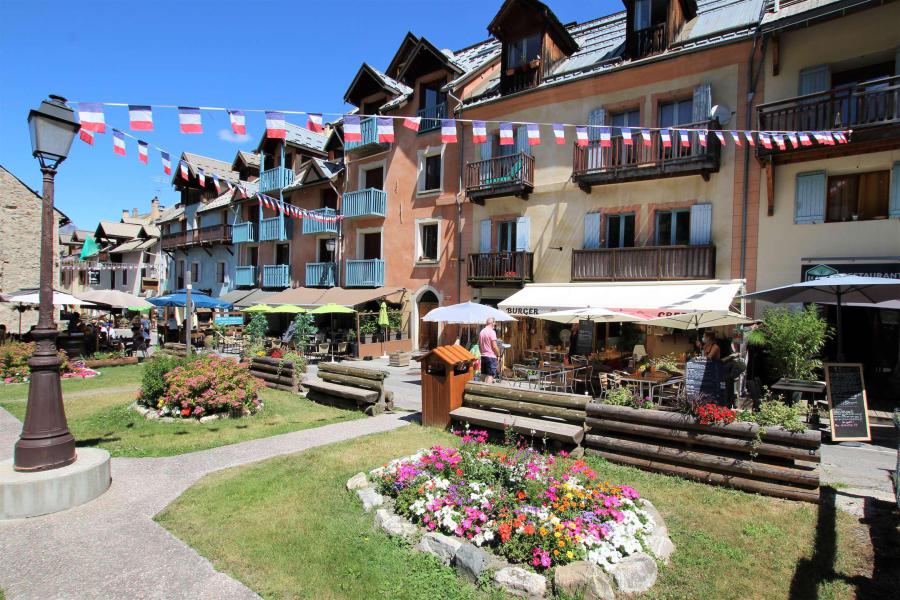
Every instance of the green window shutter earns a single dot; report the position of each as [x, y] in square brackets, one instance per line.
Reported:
[894, 206]
[809, 203]
[591, 231]
[701, 224]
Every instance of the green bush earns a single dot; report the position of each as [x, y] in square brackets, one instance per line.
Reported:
[622, 396]
[256, 329]
[792, 340]
[153, 381]
[304, 329]
[775, 413]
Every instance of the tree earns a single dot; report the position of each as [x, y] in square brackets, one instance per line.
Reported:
[792, 340]
[256, 329]
[304, 329]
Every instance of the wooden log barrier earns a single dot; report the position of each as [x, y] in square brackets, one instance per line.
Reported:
[341, 369]
[276, 373]
[562, 400]
[520, 407]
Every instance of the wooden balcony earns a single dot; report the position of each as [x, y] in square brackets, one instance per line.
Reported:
[272, 180]
[243, 233]
[276, 276]
[321, 274]
[370, 202]
[647, 263]
[273, 229]
[364, 273]
[315, 227]
[521, 78]
[500, 269]
[431, 117]
[173, 241]
[369, 143]
[647, 42]
[871, 110]
[619, 162]
[213, 234]
[511, 175]
[245, 276]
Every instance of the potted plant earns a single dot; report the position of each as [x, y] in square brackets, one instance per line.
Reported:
[367, 329]
[395, 323]
[793, 341]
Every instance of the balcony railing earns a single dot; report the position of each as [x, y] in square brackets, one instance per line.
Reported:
[272, 229]
[648, 41]
[370, 202]
[511, 175]
[365, 273]
[311, 225]
[522, 78]
[369, 142]
[245, 276]
[213, 234]
[321, 274]
[276, 276]
[275, 179]
[871, 110]
[242, 233]
[431, 117]
[596, 164]
[172, 241]
[500, 269]
[645, 263]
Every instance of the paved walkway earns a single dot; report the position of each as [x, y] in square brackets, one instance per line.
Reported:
[112, 548]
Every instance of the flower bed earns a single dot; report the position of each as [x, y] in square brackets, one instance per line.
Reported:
[14, 363]
[531, 508]
[199, 387]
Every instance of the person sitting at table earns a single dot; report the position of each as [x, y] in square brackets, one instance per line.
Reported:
[487, 346]
[573, 341]
[75, 324]
[711, 349]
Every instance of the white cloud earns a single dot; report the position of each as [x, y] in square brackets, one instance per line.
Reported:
[230, 136]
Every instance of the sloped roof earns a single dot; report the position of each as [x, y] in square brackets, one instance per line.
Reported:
[81, 235]
[388, 84]
[118, 230]
[790, 12]
[210, 166]
[134, 245]
[171, 214]
[301, 136]
[151, 230]
[326, 170]
[251, 159]
[218, 202]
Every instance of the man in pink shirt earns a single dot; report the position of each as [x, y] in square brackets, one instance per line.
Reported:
[487, 345]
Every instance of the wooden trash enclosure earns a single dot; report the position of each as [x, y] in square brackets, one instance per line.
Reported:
[361, 388]
[276, 373]
[766, 460]
[445, 372]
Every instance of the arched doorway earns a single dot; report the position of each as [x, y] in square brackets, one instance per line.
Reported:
[428, 332]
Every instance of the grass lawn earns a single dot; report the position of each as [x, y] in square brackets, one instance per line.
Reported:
[99, 416]
[307, 537]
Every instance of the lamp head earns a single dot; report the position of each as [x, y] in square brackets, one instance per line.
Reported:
[53, 127]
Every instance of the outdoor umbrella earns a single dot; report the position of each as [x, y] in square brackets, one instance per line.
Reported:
[115, 299]
[140, 309]
[836, 289]
[198, 300]
[596, 314]
[383, 323]
[466, 313]
[59, 298]
[331, 309]
[699, 319]
[284, 309]
[257, 308]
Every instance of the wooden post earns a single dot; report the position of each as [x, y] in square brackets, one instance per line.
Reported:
[770, 187]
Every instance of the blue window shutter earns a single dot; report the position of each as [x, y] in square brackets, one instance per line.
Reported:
[814, 79]
[596, 118]
[523, 228]
[809, 204]
[894, 206]
[702, 102]
[522, 140]
[484, 244]
[701, 224]
[591, 231]
[486, 148]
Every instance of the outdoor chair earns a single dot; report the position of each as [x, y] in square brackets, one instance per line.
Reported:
[342, 349]
[522, 374]
[584, 377]
[560, 381]
[532, 358]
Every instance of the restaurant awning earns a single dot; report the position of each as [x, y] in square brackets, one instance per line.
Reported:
[346, 297]
[650, 299]
[245, 298]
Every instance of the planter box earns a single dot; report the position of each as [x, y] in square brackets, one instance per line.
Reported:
[111, 362]
[781, 463]
[276, 373]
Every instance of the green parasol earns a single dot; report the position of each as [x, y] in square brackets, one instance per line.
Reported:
[383, 323]
[288, 309]
[332, 309]
[139, 309]
[258, 308]
[89, 248]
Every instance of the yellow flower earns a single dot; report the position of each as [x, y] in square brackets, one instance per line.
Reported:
[561, 543]
[543, 531]
[557, 534]
[570, 554]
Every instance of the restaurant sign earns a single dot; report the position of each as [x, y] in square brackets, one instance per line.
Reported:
[888, 270]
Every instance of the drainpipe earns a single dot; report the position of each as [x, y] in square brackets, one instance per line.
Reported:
[459, 191]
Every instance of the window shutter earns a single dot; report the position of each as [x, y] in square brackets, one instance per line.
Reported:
[814, 79]
[523, 227]
[522, 140]
[486, 148]
[596, 118]
[702, 102]
[701, 224]
[894, 206]
[591, 231]
[810, 198]
[485, 241]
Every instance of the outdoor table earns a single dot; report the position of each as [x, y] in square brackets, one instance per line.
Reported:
[648, 381]
[800, 386]
[657, 390]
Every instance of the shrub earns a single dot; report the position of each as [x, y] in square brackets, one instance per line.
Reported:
[623, 396]
[304, 329]
[14, 361]
[775, 413]
[793, 340]
[153, 381]
[256, 329]
[210, 385]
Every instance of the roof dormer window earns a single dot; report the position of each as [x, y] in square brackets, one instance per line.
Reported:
[523, 52]
[654, 24]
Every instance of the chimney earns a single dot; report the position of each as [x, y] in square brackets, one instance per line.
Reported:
[124, 214]
[154, 208]
[134, 212]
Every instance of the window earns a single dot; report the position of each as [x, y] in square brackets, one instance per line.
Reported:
[282, 254]
[124, 276]
[641, 14]
[220, 272]
[675, 113]
[857, 197]
[374, 178]
[523, 51]
[370, 245]
[329, 198]
[430, 170]
[620, 231]
[82, 278]
[288, 161]
[195, 272]
[626, 118]
[431, 95]
[428, 241]
[673, 227]
[324, 254]
[506, 236]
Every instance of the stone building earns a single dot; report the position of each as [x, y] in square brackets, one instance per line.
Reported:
[20, 233]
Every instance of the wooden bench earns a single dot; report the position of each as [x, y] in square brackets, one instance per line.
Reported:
[342, 385]
[276, 373]
[554, 416]
[176, 348]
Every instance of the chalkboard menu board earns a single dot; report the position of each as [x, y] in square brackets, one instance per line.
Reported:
[703, 378]
[849, 412]
[584, 343]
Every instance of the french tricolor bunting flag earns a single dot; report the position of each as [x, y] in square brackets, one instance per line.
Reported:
[189, 119]
[506, 134]
[779, 141]
[216, 184]
[840, 137]
[804, 139]
[238, 121]
[685, 136]
[581, 136]
[140, 117]
[626, 136]
[201, 177]
[605, 137]
[275, 127]
[91, 116]
[479, 132]
[118, 142]
[721, 136]
[314, 122]
[765, 140]
[412, 123]
[352, 132]
[666, 138]
[534, 134]
[143, 152]
[385, 130]
[559, 132]
[185, 174]
[736, 136]
[701, 137]
[792, 138]
[166, 162]
[647, 137]
[86, 136]
[448, 131]
[750, 139]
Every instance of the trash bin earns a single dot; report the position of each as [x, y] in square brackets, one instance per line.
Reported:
[445, 372]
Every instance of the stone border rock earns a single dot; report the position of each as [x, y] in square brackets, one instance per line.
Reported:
[635, 574]
[152, 415]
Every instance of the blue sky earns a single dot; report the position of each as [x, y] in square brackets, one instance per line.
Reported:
[248, 54]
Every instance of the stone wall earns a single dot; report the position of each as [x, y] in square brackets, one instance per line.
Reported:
[20, 235]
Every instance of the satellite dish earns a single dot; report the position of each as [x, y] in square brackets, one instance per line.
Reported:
[721, 113]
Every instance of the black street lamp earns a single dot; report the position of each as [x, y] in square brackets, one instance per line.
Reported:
[45, 442]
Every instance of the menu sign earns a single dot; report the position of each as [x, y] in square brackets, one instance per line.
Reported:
[849, 412]
[701, 378]
[584, 343]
